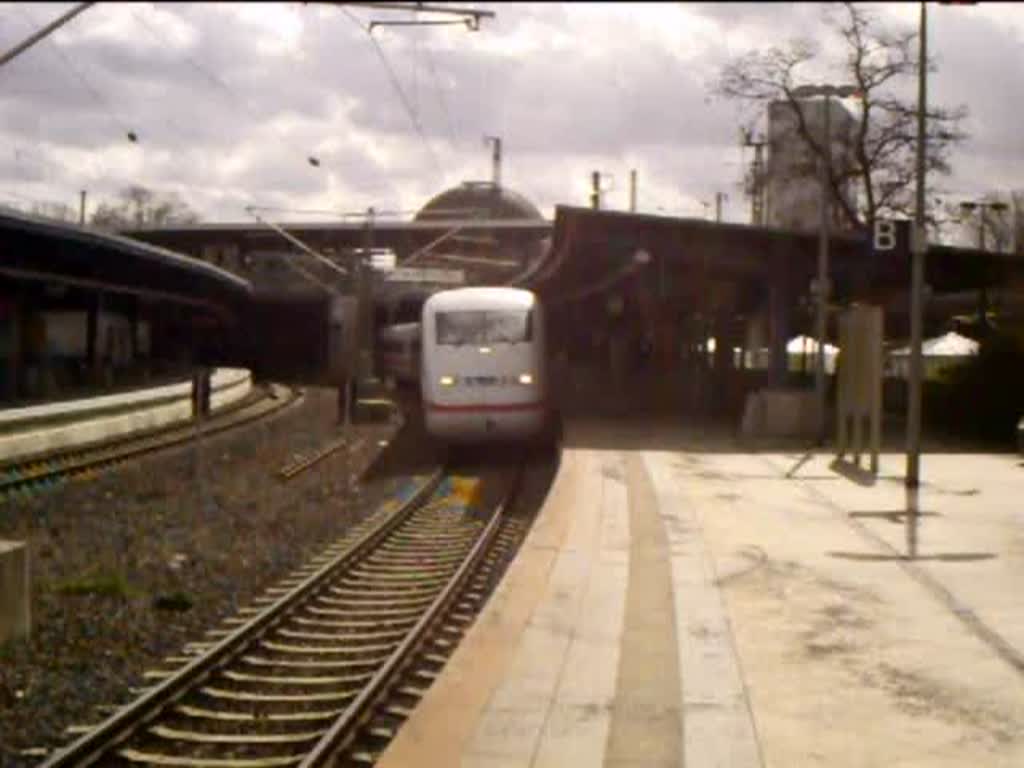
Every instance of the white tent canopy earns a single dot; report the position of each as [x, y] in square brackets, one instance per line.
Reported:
[942, 352]
[801, 344]
[710, 344]
[795, 346]
[795, 350]
[948, 345]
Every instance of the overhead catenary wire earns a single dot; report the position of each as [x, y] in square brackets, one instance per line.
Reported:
[101, 173]
[442, 99]
[421, 50]
[219, 83]
[415, 62]
[97, 96]
[403, 98]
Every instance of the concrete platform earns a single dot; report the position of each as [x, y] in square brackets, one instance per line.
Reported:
[679, 602]
[25, 432]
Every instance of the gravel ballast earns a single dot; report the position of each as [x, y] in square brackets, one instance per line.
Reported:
[128, 567]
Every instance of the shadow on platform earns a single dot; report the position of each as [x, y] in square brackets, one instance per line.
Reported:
[950, 557]
[853, 472]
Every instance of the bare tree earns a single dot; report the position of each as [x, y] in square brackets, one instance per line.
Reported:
[882, 145]
[139, 207]
[999, 230]
[55, 210]
[1005, 229]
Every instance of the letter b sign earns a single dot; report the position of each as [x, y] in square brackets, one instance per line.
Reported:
[891, 237]
[885, 235]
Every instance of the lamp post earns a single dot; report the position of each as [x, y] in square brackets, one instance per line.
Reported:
[918, 248]
[822, 283]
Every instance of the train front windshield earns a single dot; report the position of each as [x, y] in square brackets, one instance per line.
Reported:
[480, 327]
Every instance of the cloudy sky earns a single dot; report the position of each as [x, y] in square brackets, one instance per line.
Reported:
[229, 100]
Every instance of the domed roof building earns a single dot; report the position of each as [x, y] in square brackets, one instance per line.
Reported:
[486, 256]
[478, 199]
[483, 253]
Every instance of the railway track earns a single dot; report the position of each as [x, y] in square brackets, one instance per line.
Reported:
[302, 463]
[50, 471]
[328, 664]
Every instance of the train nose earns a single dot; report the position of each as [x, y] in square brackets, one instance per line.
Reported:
[490, 425]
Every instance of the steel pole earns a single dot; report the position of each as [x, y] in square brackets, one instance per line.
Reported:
[364, 287]
[37, 36]
[820, 320]
[983, 296]
[918, 248]
[496, 160]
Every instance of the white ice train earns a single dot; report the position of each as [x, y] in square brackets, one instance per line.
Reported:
[483, 376]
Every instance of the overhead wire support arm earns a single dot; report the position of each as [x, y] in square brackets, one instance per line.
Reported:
[432, 244]
[427, 23]
[251, 210]
[49, 28]
[473, 15]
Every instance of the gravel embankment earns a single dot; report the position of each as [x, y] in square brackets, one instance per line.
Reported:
[127, 568]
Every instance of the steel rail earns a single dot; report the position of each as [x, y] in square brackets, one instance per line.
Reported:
[295, 468]
[125, 723]
[346, 728]
[67, 462]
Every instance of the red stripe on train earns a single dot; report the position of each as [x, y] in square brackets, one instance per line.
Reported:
[504, 407]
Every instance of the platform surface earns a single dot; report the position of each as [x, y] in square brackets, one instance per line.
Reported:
[679, 602]
[36, 430]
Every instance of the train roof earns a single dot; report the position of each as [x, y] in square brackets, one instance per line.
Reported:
[481, 298]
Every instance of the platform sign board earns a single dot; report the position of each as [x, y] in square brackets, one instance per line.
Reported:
[425, 275]
[860, 382]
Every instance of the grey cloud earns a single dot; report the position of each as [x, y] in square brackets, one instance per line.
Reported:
[556, 109]
[779, 20]
[981, 65]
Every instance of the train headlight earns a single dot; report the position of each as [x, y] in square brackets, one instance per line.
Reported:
[485, 350]
[526, 378]
[447, 381]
